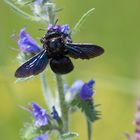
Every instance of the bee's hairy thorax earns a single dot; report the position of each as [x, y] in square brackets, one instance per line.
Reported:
[54, 43]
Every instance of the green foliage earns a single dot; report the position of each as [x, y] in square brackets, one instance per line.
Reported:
[87, 107]
[29, 131]
[69, 135]
[82, 20]
[18, 10]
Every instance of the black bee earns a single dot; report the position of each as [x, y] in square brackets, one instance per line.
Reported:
[57, 48]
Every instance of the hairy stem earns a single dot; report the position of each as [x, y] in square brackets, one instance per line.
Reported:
[59, 79]
[63, 105]
[89, 129]
[18, 10]
[46, 93]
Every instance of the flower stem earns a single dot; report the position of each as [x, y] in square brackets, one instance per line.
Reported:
[63, 105]
[46, 93]
[89, 128]
[52, 12]
[59, 79]
[21, 12]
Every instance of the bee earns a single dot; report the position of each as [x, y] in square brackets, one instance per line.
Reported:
[57, 50]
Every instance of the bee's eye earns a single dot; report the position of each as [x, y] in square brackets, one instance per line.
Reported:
[42, 40]
[54, 44]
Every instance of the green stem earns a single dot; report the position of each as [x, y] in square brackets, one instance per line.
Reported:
[46, 93]
[20, 11]
[51, 12]
[89, 128]
[59, 80]
[63, 105]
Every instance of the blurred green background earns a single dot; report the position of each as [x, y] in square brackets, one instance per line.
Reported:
[115, 25]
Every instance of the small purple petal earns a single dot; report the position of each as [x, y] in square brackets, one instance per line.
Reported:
[76, 86]
[87, 90]
[64, 28]
[55, 114]
[50, 27]
[26, 43]
[42, 137]
[57, 27]
[137, 134]
[90, 83]
[40, 115]
[61, 29]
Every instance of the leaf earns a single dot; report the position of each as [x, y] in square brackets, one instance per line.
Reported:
[23, 79]
[82, 20]
[23, 13]
[69, 135]
[88, 108]
[29, 131]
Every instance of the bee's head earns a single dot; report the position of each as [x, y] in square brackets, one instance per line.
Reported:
[55, 31]
[58, 29]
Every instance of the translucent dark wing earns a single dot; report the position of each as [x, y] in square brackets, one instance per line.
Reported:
[83, 51]
[33, 66]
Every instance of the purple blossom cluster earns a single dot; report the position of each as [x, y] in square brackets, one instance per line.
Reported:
[28, 45]
[58, 28]
[40, 115]
[137, 123]
[137, 120]
[42, 118]
[84, 90]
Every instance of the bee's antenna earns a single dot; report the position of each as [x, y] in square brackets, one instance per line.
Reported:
[56, 22]
[41, 29]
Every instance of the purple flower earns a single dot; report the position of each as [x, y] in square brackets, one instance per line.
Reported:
[65, 28]
[42, 137]
[61, 29]
[55, 114]
[76, 86]
[26, 43]
[40, 115]
[137, 134]
[87, 91]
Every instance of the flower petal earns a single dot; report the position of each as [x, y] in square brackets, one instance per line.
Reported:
[42, 137]
[40, 115]
[58, 28]
[55, 114]
[87, 90]
[26, 43]
[64, 28]
[76, 86]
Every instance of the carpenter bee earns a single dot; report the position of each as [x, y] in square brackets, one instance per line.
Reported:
[57, 50]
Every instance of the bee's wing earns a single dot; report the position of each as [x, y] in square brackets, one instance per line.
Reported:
[33, 66]
[84, 51]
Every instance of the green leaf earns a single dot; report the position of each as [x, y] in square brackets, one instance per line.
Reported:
[29, 131]
[90, 111]
[87, 107]
[81, 21]
[89, 130]
[25, 2]
[21, 12]
[69, 135]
